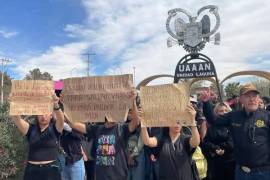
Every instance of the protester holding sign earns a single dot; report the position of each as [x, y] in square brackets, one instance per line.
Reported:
[43, 144]
[135, 154]
[251, 135]
[71, 141]
[110, 141]
[176, 149]
[71, 155]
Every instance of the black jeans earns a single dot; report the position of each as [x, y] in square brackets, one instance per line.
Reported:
[221, 170]
[90, 169]
[42, 172]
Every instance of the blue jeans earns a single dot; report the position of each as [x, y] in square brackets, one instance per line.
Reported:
[258, 175]
[138, 172]
[75, 171]
[62, 161]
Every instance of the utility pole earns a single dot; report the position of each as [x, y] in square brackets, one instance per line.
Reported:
[4, 61]
[88, 61]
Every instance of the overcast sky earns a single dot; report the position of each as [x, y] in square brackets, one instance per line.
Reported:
[53, 35]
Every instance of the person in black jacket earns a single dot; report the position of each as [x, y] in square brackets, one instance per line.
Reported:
[218, 147]
[250, 128]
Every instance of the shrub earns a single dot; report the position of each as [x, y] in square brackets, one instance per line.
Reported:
[12, 146]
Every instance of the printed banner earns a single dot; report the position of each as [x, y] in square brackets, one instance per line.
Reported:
[195, 70]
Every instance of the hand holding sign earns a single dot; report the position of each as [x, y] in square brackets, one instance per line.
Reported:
[55, 98]
[192, 114]
[134, 111]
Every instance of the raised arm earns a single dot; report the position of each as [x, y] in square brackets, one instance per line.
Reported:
[76, 125]
[148, 141]
[21, 124]
[209, 113]
[59, 115]
[133, 124]
[195, 136]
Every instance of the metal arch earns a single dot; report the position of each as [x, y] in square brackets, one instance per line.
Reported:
[151, 78]
[192, 56]
[210, 79]
[263, 74]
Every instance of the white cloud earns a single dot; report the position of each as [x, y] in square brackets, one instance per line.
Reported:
[7, 34]
[60, 61]
[132, 33]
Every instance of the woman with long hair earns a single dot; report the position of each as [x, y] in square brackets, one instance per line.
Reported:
[43, 144]
[176, 149]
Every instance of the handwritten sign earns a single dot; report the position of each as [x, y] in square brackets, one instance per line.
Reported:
[91, 99]
[31, 97]
[164, 105]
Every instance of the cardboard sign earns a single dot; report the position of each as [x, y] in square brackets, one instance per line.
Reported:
[91, 99]
[31, 97]
[164, 105]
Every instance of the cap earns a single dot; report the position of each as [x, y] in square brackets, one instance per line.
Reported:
[247, 88]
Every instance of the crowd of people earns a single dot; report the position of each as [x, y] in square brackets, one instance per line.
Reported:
[233, 136]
